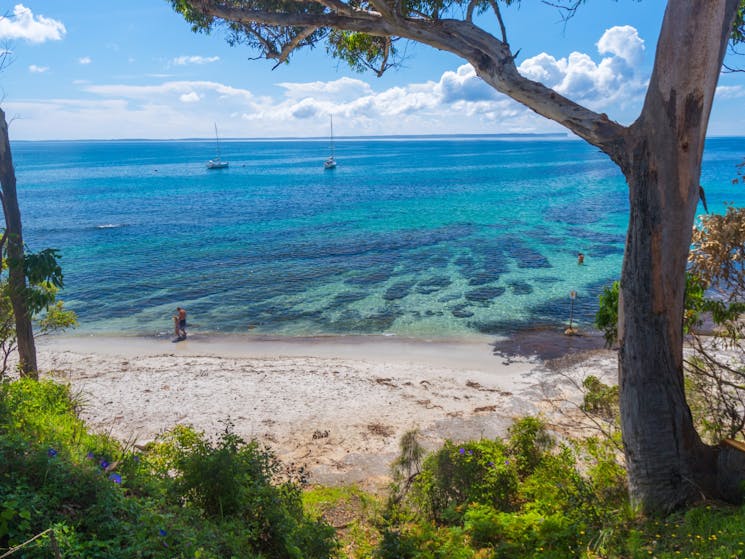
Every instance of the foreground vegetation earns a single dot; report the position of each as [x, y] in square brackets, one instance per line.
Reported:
[185, 496]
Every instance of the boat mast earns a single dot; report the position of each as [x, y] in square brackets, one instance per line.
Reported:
[331, 138]
[217, 138]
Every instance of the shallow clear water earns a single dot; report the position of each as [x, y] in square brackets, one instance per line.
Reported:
[445, 237]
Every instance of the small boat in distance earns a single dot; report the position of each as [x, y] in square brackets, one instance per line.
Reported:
[330, 163]
[217, 163]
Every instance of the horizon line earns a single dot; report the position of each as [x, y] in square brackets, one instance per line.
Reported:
[319, 138]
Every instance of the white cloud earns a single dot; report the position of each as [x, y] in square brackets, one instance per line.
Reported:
[344, 89]
[184, 60]
[35, 29]
[464, 85]
[191, 97]
[34, 69]
[614, 82]
[84, 60]
[624, 42]
[458, 101]
[730, 92]
[169, 89]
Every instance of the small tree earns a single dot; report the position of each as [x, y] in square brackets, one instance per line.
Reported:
[32, 281]
[12, 242]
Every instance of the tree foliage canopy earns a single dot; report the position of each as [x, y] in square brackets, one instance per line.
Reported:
[362, 33]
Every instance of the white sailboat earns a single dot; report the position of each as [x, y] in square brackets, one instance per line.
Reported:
[330, 163]
[217, 163]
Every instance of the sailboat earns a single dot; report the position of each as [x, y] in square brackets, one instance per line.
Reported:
[330, 163]
[217, 163]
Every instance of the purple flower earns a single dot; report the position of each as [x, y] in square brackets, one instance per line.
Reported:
[90, 456]
[104, 464]
[51, 453]
[490, 464]
[506, 462]
[116, 478]
[470, 452]
[162, 533]
[136, 458]
[461, 451]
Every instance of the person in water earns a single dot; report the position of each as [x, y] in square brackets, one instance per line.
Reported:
[580, 258]
[179, 323]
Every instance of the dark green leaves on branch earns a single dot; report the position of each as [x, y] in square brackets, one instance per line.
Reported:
[606, 318]
[44, 276]
[738, 27]
[362, 52]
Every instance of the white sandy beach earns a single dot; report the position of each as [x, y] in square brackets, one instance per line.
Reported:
[336, 405]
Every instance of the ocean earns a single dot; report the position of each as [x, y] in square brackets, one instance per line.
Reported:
[442, 237]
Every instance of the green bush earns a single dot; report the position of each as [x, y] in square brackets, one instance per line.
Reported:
[521, 534]
[606, 317]
[599, 398]
[229, 479]
[528, 443]
[458, 475]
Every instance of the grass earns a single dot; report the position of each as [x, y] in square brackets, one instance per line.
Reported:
[352, 512]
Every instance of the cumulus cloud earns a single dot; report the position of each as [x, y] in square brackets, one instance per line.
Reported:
[34, 29]
[614, 80]
[464, 85]
[34, 69]
[184, 60]
[624, 42]
[191, 97]
[84, 60]
[458, 101]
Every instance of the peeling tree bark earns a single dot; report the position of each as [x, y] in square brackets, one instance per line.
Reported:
[668, 464]
[16, 272]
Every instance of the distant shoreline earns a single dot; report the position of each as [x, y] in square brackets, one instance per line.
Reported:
[557, 135]
[419, 137]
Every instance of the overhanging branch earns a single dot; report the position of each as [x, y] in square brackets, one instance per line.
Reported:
[490, 57]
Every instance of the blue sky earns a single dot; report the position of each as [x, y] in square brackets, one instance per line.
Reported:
[99, 69]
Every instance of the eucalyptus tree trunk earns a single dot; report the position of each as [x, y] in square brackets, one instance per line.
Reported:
[667, 462]
[16, 272]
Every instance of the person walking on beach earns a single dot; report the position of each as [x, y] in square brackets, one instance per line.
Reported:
[179, 323]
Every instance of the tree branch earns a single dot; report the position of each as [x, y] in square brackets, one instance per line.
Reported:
[469, 11]
[490, 57]
[337, 6]
[498, 13]
[292, 45]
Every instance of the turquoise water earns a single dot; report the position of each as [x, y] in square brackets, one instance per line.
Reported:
[439, 237]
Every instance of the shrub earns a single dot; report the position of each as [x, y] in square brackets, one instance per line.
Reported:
[606, 317]
[528, 443]
[521, 534]
[600, 398]
[458, 475]
[230, 479]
